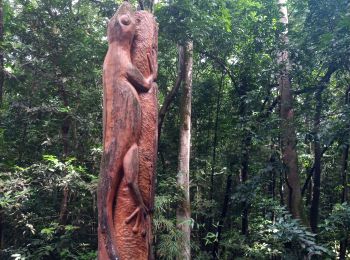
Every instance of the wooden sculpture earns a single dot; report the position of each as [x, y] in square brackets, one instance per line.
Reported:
[126, 187]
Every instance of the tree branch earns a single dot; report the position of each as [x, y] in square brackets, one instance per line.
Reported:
[171, 95]
[142, 5]
[219, 62]
[321, 84]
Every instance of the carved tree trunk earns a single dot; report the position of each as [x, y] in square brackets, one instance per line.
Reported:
[183, 213]
[127, 174]
[288, 135]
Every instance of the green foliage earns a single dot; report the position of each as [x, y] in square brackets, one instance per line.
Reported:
[51, 126]
[336, 227]
[30, 200]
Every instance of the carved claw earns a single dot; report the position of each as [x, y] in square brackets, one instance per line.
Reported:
[141, 214]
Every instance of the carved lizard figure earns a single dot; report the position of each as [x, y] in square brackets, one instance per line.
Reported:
[121, 129]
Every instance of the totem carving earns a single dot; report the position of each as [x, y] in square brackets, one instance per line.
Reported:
[127, 174]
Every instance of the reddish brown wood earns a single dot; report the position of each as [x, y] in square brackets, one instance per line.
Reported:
[126, 188]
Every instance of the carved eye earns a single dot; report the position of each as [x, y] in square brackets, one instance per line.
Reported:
[125, 19]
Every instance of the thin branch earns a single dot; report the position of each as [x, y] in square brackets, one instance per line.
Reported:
[219, 62]
[171, 95]
[321, 84]
[311, 170]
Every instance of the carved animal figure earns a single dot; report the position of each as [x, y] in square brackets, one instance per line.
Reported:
[134, 246]
[121, 130]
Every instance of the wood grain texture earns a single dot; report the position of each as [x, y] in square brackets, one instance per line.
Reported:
[139, 247]
[126, 187]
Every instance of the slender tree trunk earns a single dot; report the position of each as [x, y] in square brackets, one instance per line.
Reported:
[322, 84]
[215, 251]
[272, 184]
[245, 144]
[288, 135]
[244, 179]
[65, 142]
[2, 231]
[1, 53]
[344, 175]
[183, 212]
[2, 236]
[315, 202]
[344, 197]
[215, 141]
[281, 191]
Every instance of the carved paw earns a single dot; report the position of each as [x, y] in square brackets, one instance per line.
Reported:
[140, 213]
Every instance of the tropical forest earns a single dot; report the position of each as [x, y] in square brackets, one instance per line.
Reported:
[253, 129]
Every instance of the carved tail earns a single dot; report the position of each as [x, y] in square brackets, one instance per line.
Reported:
[108, 187]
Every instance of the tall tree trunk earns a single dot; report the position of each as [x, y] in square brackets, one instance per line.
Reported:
[215, 141]
[245, 147]
[315, 202]
[224, 209]
[321, 86]
[288, 136]
[1, 53]
[244, 179]
[65, 142]
[2, 236]
[344, 176]
[344, 197]
[318, 152]
[272, 184]
[183, 212]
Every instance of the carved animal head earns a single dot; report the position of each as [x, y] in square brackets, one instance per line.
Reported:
[121, 27]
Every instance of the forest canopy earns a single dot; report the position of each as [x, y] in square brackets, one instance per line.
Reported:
[269, 100]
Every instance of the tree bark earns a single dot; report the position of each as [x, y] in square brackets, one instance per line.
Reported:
[183, 212]
[288, 135]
